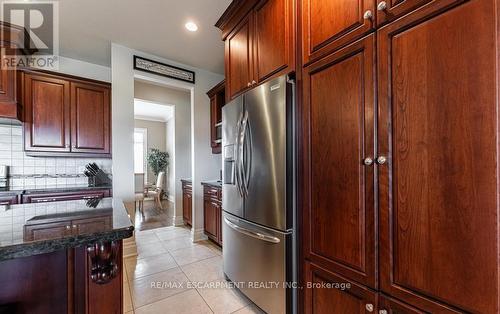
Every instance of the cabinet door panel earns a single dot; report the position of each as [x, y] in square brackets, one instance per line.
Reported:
[328, 293]
[239, 57]
[47, 114]
[397, 8]
[327, 25]
[8, 82]
[210, 218]
[90, 117]
[274, 37]
[47, 231]
[393, 306]
[438, 126]
[339, 229]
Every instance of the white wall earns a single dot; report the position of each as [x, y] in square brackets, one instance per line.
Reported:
[172, 178]
[204, 165]
[84, 69]
[122, 113]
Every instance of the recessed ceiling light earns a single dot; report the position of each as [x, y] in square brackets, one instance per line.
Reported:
[191, 26]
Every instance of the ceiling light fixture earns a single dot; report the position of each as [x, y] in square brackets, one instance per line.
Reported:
[191, 26]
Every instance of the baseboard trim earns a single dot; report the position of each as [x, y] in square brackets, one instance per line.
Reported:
[178, 221]
[198, 235]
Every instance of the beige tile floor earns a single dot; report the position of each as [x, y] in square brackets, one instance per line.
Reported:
[158, 279]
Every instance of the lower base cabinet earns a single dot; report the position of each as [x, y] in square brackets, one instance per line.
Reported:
[187, 202]
[329, 293]
[212, 213]
[35, 284]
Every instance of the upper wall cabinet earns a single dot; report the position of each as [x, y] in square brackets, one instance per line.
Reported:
[238, 59]
[90, 118]
[46, 114]
[10, 37]
[259, 40]
[389, 10]
[274, 39]
[217, 101]
[328, 25]
[65, 116]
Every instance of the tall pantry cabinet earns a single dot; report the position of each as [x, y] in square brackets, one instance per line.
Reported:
[399, 155]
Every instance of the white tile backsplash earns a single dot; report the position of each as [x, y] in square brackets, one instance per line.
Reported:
[27, 171]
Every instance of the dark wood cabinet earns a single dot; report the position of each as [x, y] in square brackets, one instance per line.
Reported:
[390, 10]
[399, 156]
[187, 202]
[239, 58]
[339, 104]
[217, 101]
[65, 116]
[330, 293]
[438, 122]
[274, 39]
[60, 282]
[9, 100]
[52, 228]
[44, 197]
[259, 42]
[11, 36]
[46, 114]
[90, 118]
[47, 231]
[328, 25]
[210, 217]
[393, 306]
[212, 212]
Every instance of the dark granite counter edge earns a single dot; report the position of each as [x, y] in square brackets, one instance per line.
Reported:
[212, 183]
[52, 245]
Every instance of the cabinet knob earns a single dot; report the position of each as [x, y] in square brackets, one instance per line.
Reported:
[368, 161]
[368, 15]
[254, 82]
[68, 227]
[382, 312]
[381, 160]
[369, 307]
[382, 6]
[74, 226]
[249, 84]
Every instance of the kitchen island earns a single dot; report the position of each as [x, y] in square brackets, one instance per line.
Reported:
[63, 257]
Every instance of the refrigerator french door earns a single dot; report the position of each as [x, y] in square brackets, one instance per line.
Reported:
[258, 194]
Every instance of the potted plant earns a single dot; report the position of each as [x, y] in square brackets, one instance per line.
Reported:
[157, 160]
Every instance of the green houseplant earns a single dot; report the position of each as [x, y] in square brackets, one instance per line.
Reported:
[157, 160]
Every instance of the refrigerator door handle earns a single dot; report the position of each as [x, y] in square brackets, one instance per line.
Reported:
[253, 234]
[242, 154]
[237, 163]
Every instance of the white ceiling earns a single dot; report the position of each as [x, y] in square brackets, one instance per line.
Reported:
[87, 28]
[147, 110]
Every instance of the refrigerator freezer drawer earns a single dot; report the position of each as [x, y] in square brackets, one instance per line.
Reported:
[257, 256]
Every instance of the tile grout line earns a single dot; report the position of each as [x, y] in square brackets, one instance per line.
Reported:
[205, 301]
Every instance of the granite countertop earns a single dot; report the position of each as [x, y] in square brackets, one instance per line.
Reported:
[16, 221]
[57, 189]
[216, 183]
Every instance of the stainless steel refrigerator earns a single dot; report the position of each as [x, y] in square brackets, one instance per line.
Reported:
[258, 198]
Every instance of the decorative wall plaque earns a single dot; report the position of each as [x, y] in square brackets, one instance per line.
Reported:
[159, 68]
